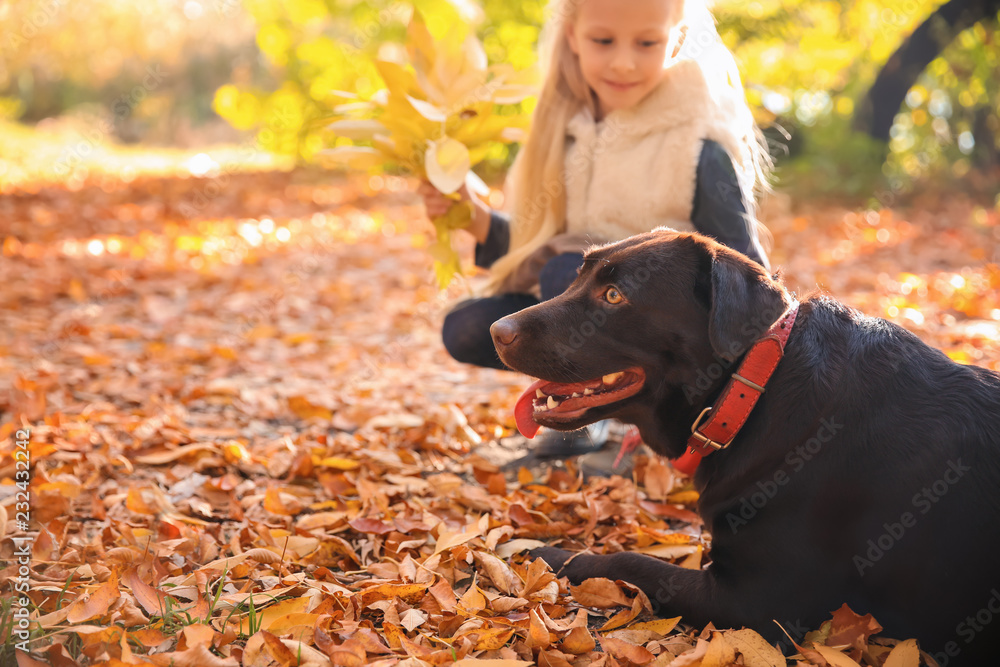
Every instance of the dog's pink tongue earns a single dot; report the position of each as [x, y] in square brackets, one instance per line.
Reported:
[524, 411]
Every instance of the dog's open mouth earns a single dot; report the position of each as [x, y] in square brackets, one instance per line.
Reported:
[554, 403]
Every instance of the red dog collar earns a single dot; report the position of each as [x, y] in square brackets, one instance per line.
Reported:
[731, 411]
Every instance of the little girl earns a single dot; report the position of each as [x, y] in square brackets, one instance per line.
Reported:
[642, 121]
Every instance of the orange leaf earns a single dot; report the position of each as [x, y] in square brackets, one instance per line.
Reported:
[904, 654]
[829, 656]
[538, 634]
[621, 649]
[623, 617]
[278, 650]
[198, 634]
[491, 639]
[405, 592]
[849, 628]
[445, 595]
[473, 601]
[96, 604]
[578, 641]
[599, 592]
[304, 409]
[720, 652]
[152, 600]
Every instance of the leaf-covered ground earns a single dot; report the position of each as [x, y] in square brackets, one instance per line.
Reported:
[248, 446]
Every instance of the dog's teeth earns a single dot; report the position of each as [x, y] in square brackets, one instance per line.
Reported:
[588, 391]
[539, 394]
[611, 378]
[552, 403]
[577, 394]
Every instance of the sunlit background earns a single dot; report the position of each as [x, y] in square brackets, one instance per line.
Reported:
[199, 73]
[185, 134]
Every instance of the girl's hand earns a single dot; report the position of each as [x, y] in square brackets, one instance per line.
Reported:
[437, 204]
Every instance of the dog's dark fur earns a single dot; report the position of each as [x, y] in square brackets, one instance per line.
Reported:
[868, 473]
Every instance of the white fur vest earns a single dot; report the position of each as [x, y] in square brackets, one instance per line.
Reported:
[636, 169]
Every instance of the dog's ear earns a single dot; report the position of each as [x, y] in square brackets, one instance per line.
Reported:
[745, 302]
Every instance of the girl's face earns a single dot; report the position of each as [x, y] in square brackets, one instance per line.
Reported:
[622, 47]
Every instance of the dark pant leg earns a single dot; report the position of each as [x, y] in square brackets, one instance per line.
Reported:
[466, 330]
[558, 273]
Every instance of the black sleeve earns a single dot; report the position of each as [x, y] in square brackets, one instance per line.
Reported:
[497, 241]
[719, 208]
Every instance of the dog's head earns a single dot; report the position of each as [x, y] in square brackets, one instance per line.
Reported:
[644, 334]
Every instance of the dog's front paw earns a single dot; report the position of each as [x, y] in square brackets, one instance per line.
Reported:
[556, 558]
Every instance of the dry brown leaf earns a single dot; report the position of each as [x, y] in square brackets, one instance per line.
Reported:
[96, 604]
[720, 652]
[491, 662]
[498, 572]
[578, 641]
[150, 599]
[196, 656]
[538, 634]
[406, 592]
[599, 592]
[755, 650]
[626, 651]
[825, 655]
[904, 654]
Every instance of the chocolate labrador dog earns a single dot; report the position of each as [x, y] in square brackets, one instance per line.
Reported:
[865, 470]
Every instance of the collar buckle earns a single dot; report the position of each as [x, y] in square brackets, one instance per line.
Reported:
[706, 442]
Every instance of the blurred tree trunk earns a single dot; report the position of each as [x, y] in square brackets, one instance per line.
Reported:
[881, 104]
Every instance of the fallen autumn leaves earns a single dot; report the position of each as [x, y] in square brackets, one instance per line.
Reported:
[249, 448]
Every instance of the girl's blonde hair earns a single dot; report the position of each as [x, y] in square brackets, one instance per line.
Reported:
[537, 184]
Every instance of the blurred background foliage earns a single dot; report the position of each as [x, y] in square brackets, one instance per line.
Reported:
[165, 71]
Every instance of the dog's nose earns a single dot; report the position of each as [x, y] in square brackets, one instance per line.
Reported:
[504, 331]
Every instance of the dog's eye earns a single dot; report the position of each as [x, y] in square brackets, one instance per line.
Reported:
[613, 296]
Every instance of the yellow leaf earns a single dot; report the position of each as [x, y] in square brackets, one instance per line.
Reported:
[447, 539]
[473, 601]
[834, 657]
[755, 650]
[661, 626]
[491, 639]
[446, 163]
[338, 463]
[427, 110]
[683, 498]
[720, 652]
[356, 129]
[278, 614]
[405, 592]
[353, 157]
[76, 291]
[904, 654]
[420, 43]
[304, 409]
